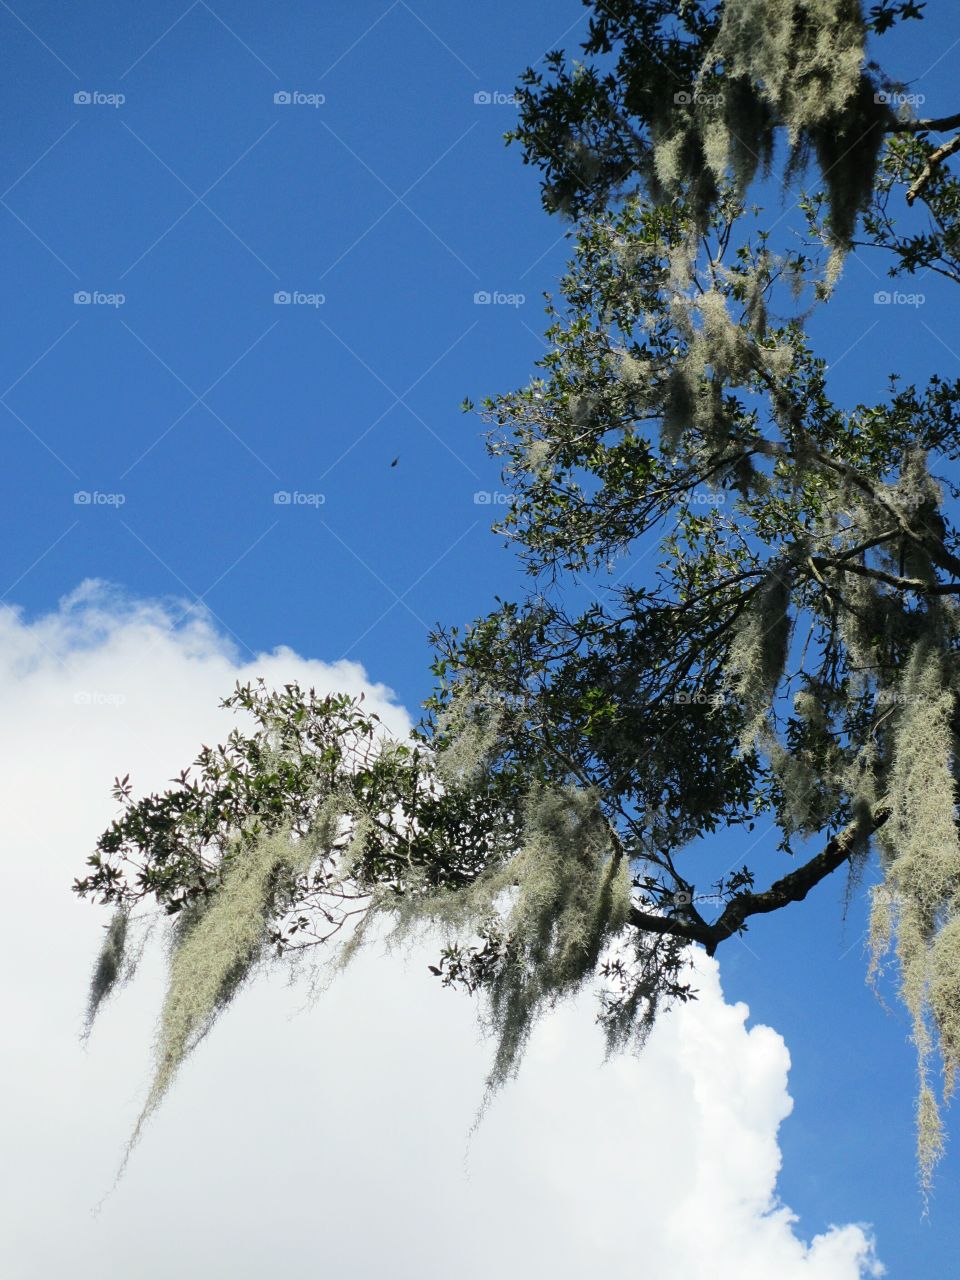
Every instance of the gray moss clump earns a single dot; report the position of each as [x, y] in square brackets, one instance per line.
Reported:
[559, 901]
[717, 351]
[805, 55]
[758, 654]
[217, 944]
[110, 967]
[797, 63]
[917, 909]
[470, 729]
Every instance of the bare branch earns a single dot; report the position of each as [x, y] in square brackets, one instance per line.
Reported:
[934, 160]
[795, 886]
[917, 585]
[791, 888]
[932, 125]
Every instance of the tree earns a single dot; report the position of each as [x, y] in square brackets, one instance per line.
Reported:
[794, 653]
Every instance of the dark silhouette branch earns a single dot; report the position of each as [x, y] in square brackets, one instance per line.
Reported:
[676, 926]
[791, 888]
[916, 585]
[795, 886]
[939, 124]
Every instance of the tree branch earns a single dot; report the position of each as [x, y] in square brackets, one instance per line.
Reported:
[917, 585]
[795, 886]
[691, 930]
[933, 125]
[933, 161]
[791, 888]
[934, 546]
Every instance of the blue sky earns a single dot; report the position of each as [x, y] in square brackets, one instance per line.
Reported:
[199, 398]
[183, 409]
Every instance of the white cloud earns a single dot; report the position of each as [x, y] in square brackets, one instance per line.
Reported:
[334, 1139]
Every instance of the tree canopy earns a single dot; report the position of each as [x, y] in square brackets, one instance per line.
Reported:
[792, 654]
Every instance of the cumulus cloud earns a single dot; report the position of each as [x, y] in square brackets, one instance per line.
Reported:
[336, 1137]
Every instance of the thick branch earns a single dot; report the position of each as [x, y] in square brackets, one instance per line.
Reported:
[791, 888]
[691, 930]
[795, 886]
